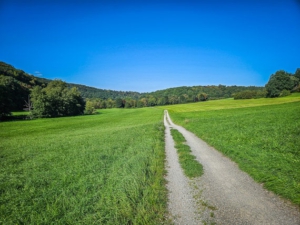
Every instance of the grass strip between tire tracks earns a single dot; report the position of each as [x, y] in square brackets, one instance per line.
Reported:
[191, 167]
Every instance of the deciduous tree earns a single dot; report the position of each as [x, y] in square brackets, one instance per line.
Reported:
[56, 100]
[278, 82]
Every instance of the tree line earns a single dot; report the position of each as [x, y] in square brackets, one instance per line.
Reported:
[57, 98]
[280, 84]
[171, 96]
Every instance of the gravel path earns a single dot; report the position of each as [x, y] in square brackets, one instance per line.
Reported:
[228, 194]
[182, 205]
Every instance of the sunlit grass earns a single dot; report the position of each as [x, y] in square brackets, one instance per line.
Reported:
[230, 103]
[101, 169]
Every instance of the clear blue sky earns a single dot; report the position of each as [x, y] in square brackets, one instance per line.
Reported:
[151, 45]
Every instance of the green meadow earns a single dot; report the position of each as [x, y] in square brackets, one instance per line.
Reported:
[229, 103]
[261, 135]
[100, 169]
[109, 168]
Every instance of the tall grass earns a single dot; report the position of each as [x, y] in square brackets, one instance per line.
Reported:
[101, 169]
[263, 140]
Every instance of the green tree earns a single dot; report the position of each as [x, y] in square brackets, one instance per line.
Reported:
[143, 102]
[40, 102]
[110, 103]
[202, 96]
[119, 103]
[127, 104]
[162, 101]
[5, 101]
[278, 82]
[285, 93]
[245, 95]
[56, 100]
[152, 101]
[89, 107]
[297, 73]
[74, 103]
[296, 80]
[12, 95]
[102, 104]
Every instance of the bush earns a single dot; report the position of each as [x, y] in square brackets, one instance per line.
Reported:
[285, 93]
[89, 108]
[245, 95]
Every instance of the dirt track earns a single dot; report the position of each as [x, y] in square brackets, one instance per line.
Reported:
[224, 194]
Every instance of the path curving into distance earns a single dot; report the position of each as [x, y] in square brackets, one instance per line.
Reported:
[181, 204]
[231, 194]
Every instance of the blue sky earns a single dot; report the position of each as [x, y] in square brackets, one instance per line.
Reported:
[151, 45]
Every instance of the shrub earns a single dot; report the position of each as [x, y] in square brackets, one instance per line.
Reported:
[245, 95]
[285, 93]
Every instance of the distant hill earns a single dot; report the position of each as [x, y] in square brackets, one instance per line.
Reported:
[26, 79]
[91, 92]
[213, 91]
[24, 82]
[29, 81]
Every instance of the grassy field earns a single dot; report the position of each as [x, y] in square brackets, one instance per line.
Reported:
[230, 104]
[20, 113]
[261, 135]
[100, 169]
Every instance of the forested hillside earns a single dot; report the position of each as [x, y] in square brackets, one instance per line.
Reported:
[20, 76]
[189, 94]
[16, 87]
[185, 94]
[91, 92]
[30, 81]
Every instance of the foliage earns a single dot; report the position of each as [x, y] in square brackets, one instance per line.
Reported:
[91, 92]
[102, 99]
[99, 169]
[89, 108]
[263, 140]
[23, 78]
[202, 97]
[119, 103]
[245, 95]
[191, 167]
[12, 95]
[14, 88]
[181, 95]
[249, 94]
[297, 73]
[127, 99]
[278, 82]
[6, 103]
[296, 80]
[56, 100]
[284, 93]
[163, 97]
